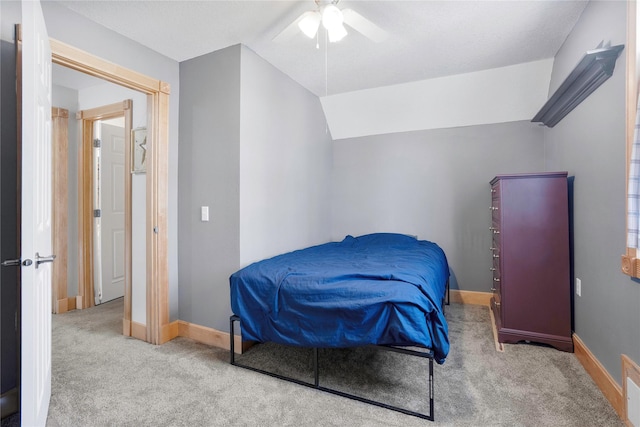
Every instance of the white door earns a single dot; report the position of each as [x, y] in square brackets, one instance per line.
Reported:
[35, 218]
[111, 183]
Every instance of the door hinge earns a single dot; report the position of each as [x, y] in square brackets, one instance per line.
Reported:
[97, 213]
[97, 143]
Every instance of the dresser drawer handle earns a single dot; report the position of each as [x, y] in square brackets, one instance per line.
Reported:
[493, 208]
[497, 304]
[492, 269]
[493, 249]
[496, 279]
[496, 256]
[493, 190]
[493, 289]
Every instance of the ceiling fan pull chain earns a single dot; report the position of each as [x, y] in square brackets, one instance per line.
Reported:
[326, 75]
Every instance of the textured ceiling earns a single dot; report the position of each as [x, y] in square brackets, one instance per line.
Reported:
[426, 38]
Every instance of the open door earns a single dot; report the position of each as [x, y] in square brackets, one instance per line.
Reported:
[35, 216]
[111, 181]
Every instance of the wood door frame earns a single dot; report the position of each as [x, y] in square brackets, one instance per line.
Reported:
[158, 329]
[86, 283]
[60, 209]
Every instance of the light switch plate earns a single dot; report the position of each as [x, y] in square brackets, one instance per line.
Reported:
[204, 213]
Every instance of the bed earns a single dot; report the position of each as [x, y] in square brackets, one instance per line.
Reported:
[380, 289]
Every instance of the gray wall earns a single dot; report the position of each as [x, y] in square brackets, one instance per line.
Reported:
[254, 148]
[285, 164]
[434, 184]
[590, 144]
[209, 175]
[75, 30]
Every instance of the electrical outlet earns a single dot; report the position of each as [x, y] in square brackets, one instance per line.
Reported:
[578, 287]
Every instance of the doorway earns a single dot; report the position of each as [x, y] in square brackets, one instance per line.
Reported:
[157, 329]
[100, 136]
[105, 213]
[109, 235]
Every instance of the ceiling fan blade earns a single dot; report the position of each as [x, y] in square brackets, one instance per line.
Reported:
[290, 30]
[364, 26]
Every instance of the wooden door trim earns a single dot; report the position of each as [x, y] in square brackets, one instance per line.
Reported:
[157, 265]
[85, 227]
[630, 263]
[60, 208]
[79, 60]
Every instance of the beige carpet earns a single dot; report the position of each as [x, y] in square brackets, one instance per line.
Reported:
[101, 378]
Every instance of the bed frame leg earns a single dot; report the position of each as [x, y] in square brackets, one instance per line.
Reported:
[232, 353]
[448, 290]
[431, 389]
[446, 300]
[315, 367]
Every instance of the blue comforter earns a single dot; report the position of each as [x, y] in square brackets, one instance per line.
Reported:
[384, 289]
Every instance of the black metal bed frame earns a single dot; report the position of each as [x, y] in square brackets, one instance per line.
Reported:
[427, 353]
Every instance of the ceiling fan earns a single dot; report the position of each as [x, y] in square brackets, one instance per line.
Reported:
[332, 19]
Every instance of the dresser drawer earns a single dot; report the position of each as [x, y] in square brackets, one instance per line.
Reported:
[495, 265]
[495, 192]
[495, 233]
[495, 201]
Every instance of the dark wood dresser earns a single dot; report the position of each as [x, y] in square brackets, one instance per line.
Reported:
[531, 280]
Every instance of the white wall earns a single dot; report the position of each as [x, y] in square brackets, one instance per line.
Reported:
[285, 163]
[498, 95]
[105, 94]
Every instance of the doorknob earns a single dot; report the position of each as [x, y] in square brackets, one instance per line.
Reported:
[43, 259]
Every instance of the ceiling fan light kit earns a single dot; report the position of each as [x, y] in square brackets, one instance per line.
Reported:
[336, 33]
[309, 23]
[333, 19]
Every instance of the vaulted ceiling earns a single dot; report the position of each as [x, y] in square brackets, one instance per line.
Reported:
[426, 39]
